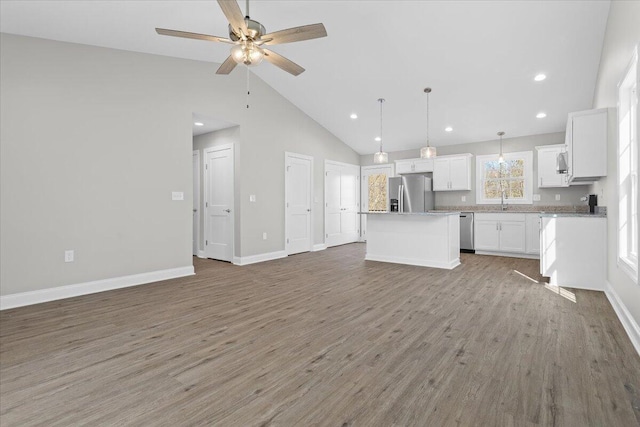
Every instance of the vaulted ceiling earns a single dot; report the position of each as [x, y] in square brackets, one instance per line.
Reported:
[480, 58]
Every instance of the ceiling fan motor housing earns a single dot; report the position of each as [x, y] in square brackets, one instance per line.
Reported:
[256, 30]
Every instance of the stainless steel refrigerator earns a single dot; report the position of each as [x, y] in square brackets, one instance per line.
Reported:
[412, 192]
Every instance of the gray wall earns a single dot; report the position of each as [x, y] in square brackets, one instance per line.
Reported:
[93, 141]
[568, 196]
[621, 37]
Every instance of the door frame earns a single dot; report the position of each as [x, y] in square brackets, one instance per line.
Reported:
[288, 154]
[364, 192]
[196, 198]
[206, 151]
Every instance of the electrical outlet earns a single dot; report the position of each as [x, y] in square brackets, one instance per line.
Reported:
[464, 198]
[177, 195]
[264, 236]
[557, 197]
[69, 255]
[252, 197]
[536, 197]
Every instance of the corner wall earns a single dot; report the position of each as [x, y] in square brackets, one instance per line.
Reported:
[621, 37]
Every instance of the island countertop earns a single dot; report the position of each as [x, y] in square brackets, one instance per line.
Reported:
[430, 213]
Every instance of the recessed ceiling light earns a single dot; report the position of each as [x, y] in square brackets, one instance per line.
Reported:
[540, 77]
[353, 116]
[199, 124]
[541, 115]
[448, 129]
[377, 138]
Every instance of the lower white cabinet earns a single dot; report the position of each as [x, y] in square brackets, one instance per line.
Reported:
[574, 251]
[533, 233]
[500, 232]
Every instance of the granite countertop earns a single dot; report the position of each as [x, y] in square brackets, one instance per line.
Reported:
[539, 209]
[430, 213]
[569, 215]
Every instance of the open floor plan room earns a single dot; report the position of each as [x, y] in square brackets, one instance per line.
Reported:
[324, 338]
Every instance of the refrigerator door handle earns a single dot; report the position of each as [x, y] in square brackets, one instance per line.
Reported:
[400, 198]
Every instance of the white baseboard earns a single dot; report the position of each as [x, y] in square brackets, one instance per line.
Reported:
[628, 323]
[414, 261]
[45, 295]
[201, 255]
[509, 254]
[252, 259]
[319, 247]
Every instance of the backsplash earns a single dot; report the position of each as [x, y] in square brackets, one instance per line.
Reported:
[517, 208]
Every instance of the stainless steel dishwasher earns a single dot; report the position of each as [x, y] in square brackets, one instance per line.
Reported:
[466, 232]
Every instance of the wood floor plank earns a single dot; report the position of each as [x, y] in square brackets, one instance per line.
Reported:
[323, 338]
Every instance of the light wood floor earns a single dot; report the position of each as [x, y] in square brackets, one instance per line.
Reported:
[323, 339]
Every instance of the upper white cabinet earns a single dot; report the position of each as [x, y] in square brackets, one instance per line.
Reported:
[414, 166]
[452, 173]
[547, 166]
[586, 141]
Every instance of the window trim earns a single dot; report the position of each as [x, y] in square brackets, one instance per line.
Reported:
[625, 263]
[527, 156]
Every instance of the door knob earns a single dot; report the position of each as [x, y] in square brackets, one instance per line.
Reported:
[227, 210]
[308, 210]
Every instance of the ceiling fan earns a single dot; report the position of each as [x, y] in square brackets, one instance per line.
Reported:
[249, 38]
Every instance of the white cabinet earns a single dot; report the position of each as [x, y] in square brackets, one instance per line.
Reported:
[414, 166]
[548, 177]
[500, 232]
[342, 202]
[533, 233]
[586, 141]
[574, 251]
[452, 173]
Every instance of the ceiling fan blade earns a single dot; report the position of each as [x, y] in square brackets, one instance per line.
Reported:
[282, 62]
[188, 35]
[296, 34]
[227, 66]
[234, 15]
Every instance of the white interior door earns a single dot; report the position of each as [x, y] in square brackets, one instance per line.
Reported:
[342, 203]
[349, 202]
[196, 201]
[219, 202]
[298, 190]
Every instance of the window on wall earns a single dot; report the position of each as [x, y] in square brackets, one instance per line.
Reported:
[510, 181]
[628, 170]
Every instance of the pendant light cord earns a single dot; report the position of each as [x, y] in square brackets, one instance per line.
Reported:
[248, 89]
[381, 100]
[428, 118]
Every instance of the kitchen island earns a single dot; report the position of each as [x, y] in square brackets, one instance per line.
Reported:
[429, 239]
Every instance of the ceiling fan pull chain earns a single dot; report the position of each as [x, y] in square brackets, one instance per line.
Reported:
[248, 90]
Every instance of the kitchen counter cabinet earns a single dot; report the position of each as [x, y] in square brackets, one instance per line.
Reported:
[500, 232]
[574, 251]
[430, 239]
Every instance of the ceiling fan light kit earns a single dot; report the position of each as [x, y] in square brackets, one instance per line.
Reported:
[427, 152]
[249, 38]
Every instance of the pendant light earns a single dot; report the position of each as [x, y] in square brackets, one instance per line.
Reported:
[427, 152]
[501, 157]
[380, 157]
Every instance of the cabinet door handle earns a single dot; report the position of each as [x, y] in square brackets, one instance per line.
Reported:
[496, 226]
[540, 181]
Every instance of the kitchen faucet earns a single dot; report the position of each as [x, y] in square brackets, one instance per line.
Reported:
[502, 204]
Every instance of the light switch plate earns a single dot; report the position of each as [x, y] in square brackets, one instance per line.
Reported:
[69, 255]
[536, 197]
[177, 195]
[557, 197]
[464, 198]
[264, 236]
[252, 197]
